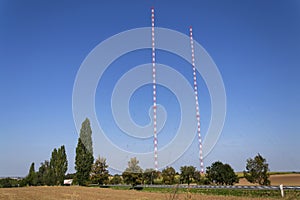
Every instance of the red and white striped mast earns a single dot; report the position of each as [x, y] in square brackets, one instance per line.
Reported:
[197, 102]
[154, 90]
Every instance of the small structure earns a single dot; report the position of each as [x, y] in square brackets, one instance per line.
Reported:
[68, 182]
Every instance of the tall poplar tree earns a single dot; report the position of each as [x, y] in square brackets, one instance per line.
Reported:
[31, 178]
[84, 154]
[86, 135]
[61, 165]
[58, 166]
[52, 173]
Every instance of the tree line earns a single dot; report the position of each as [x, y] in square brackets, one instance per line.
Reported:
[218, 173]
[50, 172]
[90, 171]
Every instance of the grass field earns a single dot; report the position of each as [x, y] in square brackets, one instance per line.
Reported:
[88, 193]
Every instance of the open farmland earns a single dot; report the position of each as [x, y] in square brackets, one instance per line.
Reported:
[277, 179]
[93, 193]
[285, 179]
[88, 193]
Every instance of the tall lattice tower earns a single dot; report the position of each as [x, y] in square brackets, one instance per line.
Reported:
[197, 102]
[154, 90]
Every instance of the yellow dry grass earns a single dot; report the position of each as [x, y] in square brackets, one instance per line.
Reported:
[87, 193]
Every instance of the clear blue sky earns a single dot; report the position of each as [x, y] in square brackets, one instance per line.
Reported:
[255, 44]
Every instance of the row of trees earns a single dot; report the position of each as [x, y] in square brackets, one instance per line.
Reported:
[87, 171]
[9, 182]
[217, 173]
[50, 172]
[53, 172]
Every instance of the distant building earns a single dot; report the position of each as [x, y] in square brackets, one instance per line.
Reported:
[68, 181]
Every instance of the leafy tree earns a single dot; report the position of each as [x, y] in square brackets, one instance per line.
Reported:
[99, 173]
[53, 166]
[70, 176]
[133, 174]
[220, 173]
[83, 163]
[9, 182]
[257, 170]
[132, 178]
[53, 172]
[86, 135]
[197, 177]
[168, 175]
[31, 178]
[200, 180]
[187, 173]
[133, 166]
[5, 183]
[61, 165]
[230, 177]
[117, 179]
[43, 175]
[84, 154]
[150, 175]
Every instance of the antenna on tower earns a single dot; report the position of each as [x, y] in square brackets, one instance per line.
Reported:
[197, 102]
[154, 90]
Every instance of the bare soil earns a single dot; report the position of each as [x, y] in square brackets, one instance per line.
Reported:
[285, 179]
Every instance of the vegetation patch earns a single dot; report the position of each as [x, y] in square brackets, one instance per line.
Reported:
[294, 194]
